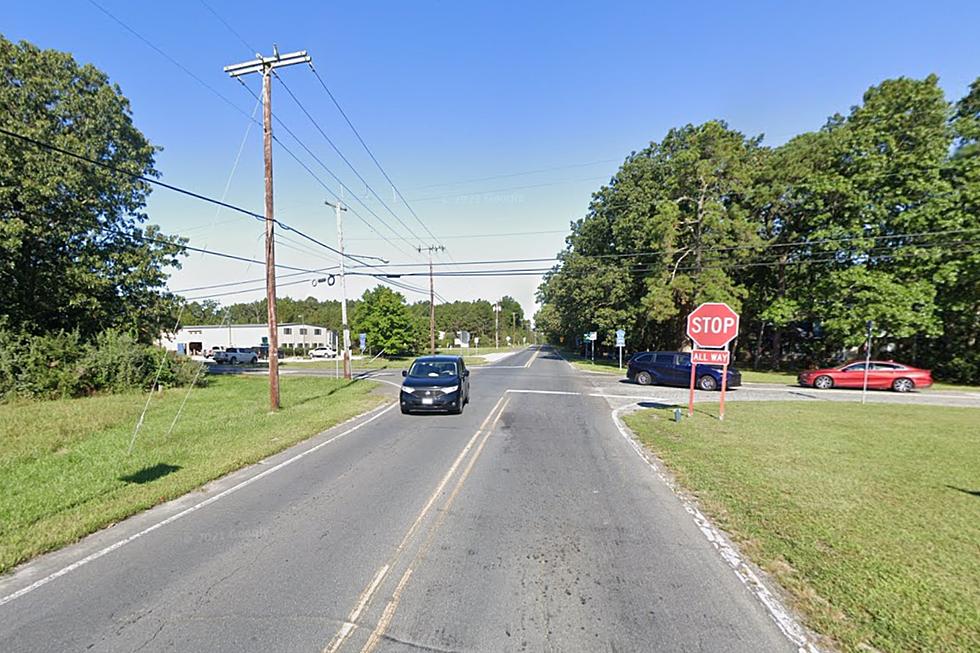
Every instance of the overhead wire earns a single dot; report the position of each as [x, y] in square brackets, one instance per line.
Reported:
[322, 183]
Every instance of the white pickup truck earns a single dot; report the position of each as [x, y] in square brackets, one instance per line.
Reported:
[236, 355]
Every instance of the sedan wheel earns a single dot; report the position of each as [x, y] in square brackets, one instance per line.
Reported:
[644, 378]
[707, 382]
[903, 385]
[823, 382]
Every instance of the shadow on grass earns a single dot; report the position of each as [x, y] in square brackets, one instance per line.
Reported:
[152, 473]
[975, 493]
[324, 395]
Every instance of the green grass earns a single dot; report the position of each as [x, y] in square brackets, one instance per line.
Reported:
[599, 365]
[868, 515]
[65, 471]
[753, 376]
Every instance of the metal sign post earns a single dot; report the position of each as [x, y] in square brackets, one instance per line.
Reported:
[724, 386]
[867, 362]
[620, 343]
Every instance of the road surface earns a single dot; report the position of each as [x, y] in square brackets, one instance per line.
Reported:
[528, 523]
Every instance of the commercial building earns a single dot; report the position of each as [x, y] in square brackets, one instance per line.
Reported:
[199, 340]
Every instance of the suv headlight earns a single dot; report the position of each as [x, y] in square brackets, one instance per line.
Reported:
[448, 388]
[407, 388]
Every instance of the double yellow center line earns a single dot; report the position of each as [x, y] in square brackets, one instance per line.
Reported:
[478, 441]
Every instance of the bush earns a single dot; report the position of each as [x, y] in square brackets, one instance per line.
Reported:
[58, 365]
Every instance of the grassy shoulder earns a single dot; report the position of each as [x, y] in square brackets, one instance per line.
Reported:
[65, 471]
[598, 365]
[868, 515]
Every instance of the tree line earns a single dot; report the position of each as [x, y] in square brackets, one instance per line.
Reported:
[873, 217]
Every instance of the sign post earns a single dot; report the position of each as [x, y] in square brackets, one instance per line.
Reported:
[620, 343]
[711, 326]
[867, 362]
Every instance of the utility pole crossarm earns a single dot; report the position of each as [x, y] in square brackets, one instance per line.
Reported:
[260, 64]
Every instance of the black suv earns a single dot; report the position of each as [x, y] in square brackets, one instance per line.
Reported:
[435, 383]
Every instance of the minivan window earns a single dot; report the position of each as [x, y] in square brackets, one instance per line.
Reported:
[666, 359]
[433, 368]
[643, 358]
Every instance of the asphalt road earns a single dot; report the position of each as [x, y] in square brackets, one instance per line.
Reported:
[529, 523]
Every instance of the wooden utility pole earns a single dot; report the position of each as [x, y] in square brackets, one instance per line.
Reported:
[265, 66]
[432, 296]
[343, 287]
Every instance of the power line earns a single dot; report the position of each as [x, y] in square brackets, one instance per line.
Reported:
[495, 235]
[370, 153]
[231, 29]
[516, 174]
[660, 252]
[166, 56]
[323, 184]
[210, 88]
[177, 189]
[345, 159]
[874, 253]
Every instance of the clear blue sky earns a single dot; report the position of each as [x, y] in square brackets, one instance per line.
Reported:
[447, 92]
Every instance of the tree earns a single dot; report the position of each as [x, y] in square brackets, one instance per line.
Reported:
[385, 318]
[74, 254]
[660, 237]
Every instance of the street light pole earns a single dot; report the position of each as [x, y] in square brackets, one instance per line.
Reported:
[343, 287]
[496, 326]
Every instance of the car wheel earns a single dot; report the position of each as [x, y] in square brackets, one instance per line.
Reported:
[903, 385]
[707, 382]
[823, 382]
[255, 359]
[644, 378]
[234, 360]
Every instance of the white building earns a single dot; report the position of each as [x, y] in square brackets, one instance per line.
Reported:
[199, 340]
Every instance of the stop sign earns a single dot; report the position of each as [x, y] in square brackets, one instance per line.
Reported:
[712, 324]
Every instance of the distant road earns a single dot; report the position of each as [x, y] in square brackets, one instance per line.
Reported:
[529, 523]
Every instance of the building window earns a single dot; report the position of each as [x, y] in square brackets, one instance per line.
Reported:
[302, 332]
[316, 332]
[287, 331]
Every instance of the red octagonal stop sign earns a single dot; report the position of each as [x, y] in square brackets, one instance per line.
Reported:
[712, 324]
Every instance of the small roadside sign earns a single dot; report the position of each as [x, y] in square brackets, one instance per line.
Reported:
[363, 337]
[620, 343]
[593, 336]
[711, 356]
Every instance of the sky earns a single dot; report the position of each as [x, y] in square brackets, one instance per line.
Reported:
[496, 121]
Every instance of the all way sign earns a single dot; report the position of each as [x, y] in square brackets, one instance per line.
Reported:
[711, 356]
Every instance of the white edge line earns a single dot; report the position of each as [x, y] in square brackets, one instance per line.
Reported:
[784, 620]
[109, 549]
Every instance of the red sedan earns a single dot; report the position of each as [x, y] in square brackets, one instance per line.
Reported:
[882, 375]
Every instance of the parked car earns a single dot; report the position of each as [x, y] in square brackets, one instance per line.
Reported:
[322, 352]
[882, 375]
[435, 383]
[236, 355]
[674, 368]
[214, 350]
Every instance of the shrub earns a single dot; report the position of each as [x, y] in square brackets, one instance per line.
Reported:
[57, 365]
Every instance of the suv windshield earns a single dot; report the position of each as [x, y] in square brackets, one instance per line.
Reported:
[433, 368]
